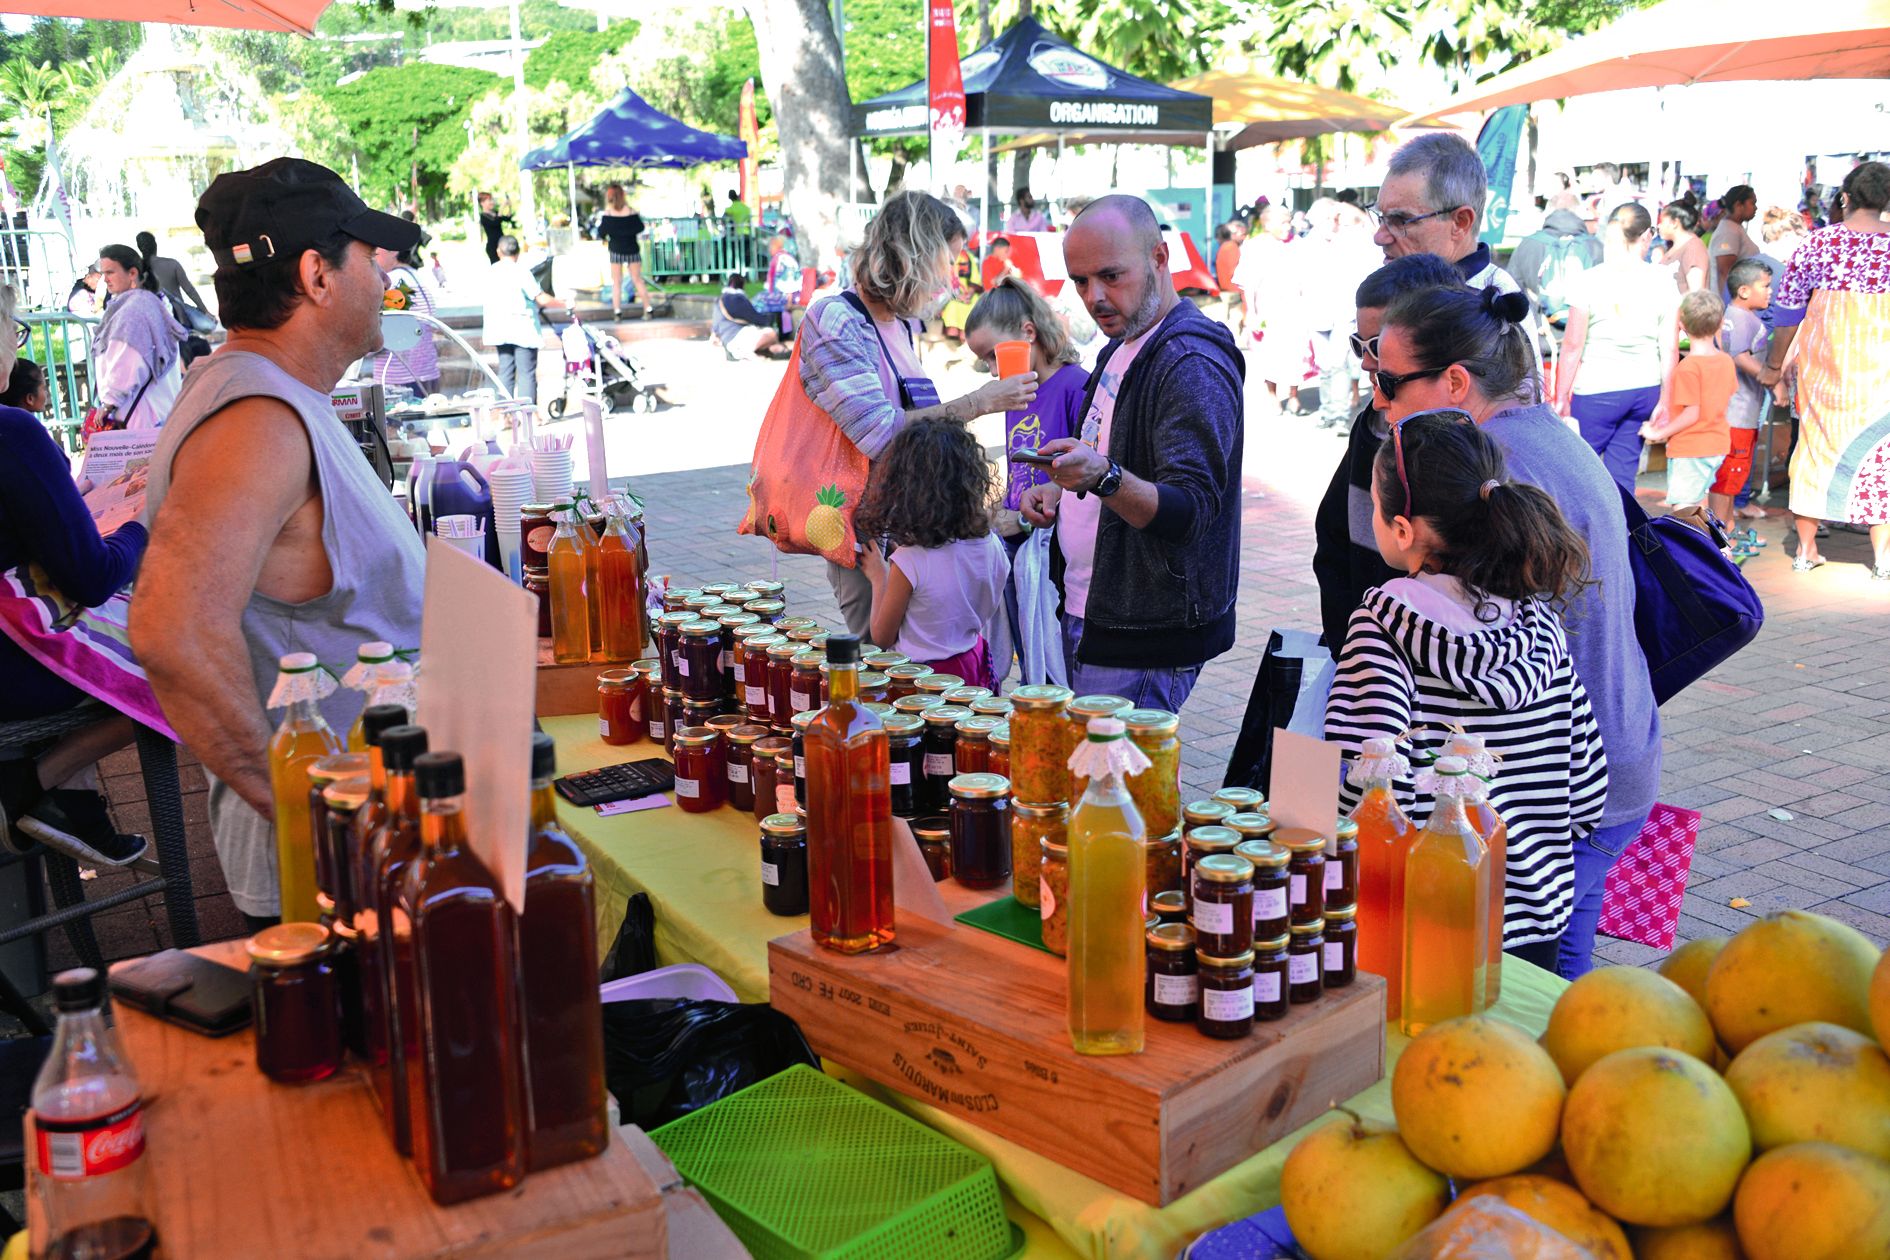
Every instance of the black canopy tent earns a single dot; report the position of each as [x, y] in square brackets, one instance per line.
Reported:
[1029, 80]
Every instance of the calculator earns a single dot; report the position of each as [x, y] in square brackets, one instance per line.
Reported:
[624, 782]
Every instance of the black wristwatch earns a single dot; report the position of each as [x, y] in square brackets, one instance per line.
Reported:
[1110, 482]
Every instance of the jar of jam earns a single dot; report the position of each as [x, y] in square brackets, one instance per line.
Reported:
[916, 703]
[754, 654]
[991, 706]
[1031, 825]
[738, 664]
[934, 835]
[700, 665]
[335, 856]
[784, 864]
[1205, 814]
[937, 684]
[786, 791]
[1226, 995]
[620, 706]
[739, 753]
[1223, 904]
[965, 697]
[799, 737]
[972, 752]
[1053, 897]
[880, 662]
[674, 598]
[297, 1003]
[788, 625]
[1076, 730]
[535, 529]
[1306, 869]
[905, 740]
[872, 687]
[1250, 826]
[941, 748]
[769, 610]
[1244, 800]
[1039, 750]
[1164, 863]
[1341, 951]
[767, 588]
[1271, 884]
[1305, 961]
[761, 776]
[1342, 868]
[1001, 750]
[701, 772]
[1157, 790]
[781, 684]
[805, 682]
[903, 680]
[673, 702]
[344, 946]
[650, 670]
[701, 600]
[1174, 985]
[669, 646]
[324, 773]
[1203, 842]
[1269, 978]
[733, 623]
[722, 723]
[656, 715]
[1169, 906]
[981, 829]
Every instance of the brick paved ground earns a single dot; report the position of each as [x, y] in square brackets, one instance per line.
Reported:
[1784, 750]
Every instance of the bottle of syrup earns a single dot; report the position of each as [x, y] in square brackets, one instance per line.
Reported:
[1108, 896]
[1446, 907]
[465, 1101]
[567, 559]
[849, 813]
[557, 960]
[302, 739]
[1494, 833]
[1384, 838]
[620, 588]
[392, 845]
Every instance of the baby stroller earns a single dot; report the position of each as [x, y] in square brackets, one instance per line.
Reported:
[602, 368]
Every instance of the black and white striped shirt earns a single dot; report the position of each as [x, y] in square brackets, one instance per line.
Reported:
[1404, 675]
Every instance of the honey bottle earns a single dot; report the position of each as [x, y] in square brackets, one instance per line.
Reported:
[392, 841]
[1384, 839]
[1446, 906]
[302, 739]
[568, 562]
[849, 813]
[465, 1099]
[360, 677]
[563, 1017]
[1494, 833]
[620, 588]
[1107, 896]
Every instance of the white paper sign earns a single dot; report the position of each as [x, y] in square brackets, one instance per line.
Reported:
[1305, 782]
[112, 475]
[595, 463]
[479, 639]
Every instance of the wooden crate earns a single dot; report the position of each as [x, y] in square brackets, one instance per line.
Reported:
[242, 1167]
[975, 1025]
[567, 689]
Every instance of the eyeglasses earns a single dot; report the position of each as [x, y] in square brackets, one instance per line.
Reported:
[21, 335]
[1390, 382]
[1400, 222]
[1365, 348]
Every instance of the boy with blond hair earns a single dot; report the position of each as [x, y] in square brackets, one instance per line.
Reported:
[1695, 428]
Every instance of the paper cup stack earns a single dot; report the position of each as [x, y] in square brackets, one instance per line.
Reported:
[468, 533]
[551, 475]
[512, 489]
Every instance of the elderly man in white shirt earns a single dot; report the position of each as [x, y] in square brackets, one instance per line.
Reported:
[512, 327]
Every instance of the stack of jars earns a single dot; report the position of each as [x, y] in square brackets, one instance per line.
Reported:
[1264, 921]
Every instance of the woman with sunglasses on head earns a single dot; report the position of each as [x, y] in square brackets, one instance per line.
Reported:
[1470, 641]
[1471, 351]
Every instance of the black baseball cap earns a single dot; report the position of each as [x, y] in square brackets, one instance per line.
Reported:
[288, 205]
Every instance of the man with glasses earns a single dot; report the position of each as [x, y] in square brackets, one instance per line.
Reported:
[1432, 203]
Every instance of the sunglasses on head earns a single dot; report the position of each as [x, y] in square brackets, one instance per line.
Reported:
[1397, 447]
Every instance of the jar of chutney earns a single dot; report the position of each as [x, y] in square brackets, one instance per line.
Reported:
[906, 762]
[1076, 729]
[971, 754]
[1163, 857]
[1039, 749]
[1226, 995]
[903, 680]
[1174, 983]
[701, 773]
[784, 864]
[1031, 825]
[761, 772]
[1001, 750]
[941, 754]
[1157, 790]
[981, 829]
[1341, 964]
[1271, 885]
[1269, 978]
[1223, 904]
[1306, 869]
[934, 834]
[1342, 867]
[1305, 961]
[992, 706]
[1053, 897]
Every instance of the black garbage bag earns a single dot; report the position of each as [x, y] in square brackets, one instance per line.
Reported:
[634, 950]
[667, 1057]
[1289, 690]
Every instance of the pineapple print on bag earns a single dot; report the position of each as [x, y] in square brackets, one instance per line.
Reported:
[826, 529]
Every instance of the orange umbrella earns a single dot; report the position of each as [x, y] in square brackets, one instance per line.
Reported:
[1699, 41]
[296, 16]
[1271, 109]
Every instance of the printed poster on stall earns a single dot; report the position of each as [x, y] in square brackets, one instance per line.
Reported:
[112, 475]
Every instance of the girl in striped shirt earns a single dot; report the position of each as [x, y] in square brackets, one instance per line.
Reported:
[1471, 641]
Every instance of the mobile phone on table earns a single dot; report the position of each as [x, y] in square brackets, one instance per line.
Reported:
[1031, 455]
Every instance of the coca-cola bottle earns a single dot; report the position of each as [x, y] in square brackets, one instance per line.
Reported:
[92, 1181]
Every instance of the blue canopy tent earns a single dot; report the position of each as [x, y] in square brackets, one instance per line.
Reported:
[632, 132]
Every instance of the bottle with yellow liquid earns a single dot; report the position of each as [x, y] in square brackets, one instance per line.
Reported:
[1446, 906]
[569, 566]
[1384, 838]
[360, 677]
[303, 738]
[1107, 896]
[620, 587]
[1494, 833]
[391, 682]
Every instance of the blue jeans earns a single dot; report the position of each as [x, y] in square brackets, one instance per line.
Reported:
[1611, 424]
[518, 371]
[1594, 858]
[1144, 688]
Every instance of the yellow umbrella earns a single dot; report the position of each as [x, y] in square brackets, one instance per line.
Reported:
[1699, 41]
[296, 16]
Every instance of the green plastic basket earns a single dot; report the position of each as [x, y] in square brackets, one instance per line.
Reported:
[802, 1167]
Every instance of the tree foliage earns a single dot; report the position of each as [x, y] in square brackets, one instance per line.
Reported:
[407, 126]
[1357, 45]
[569, 56]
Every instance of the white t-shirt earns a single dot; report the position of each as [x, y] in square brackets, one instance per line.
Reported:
[1630, 303]
[956, 592]
[511, 306]
[1078, 519]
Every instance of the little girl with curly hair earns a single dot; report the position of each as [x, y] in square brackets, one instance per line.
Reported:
[941, 581]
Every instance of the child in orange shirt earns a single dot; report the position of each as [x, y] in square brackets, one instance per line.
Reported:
[1695, 428]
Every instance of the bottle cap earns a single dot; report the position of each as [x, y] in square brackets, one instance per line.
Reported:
[1380, 746]
[1103, 729]
[297, 662]
[843, 649]
[401, 745]
[544, 756]
[1452, 765]
[375, 651]
[439, 774]
[79, 989]
[287, 944]
[378, 719]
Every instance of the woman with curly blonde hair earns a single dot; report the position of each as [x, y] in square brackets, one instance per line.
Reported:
[859, 354]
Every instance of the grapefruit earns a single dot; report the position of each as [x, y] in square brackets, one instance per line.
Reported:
[1476, 1098]
[1814, 1201]
[1688, 965]
[1790, 968]
[1880, 1000]
[1709, 1240]
[1815, 1083]
[1615, 1008]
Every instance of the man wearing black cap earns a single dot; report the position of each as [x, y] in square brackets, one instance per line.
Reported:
[272, 534]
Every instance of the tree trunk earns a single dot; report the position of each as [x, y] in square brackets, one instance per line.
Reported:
[800, 68]
[1020, 175]
[993, 195]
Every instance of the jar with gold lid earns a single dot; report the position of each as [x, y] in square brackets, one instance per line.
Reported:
[1342, 866]
[1341, 948]
[1174, 985]
[1170, 906]
[903, 680]
[739, 743]
[1031, 825]
[1269, 978]
[1244, 800]
[992, 706]
[972, 753]
[781, 708]
[1001, 750]
[937, 684]
[1205, 814]
[1199, 843]
[941, 752]
[884, 660]
[1053, 897]
[1223, 904]
[916, 703]
[1226, 1011]
[1157, 790]
[1305, 961]
[965, 697]
[981, 829]
[701, 770]
[934, 834]
[1039, 750]
[1250, 826]
[297, 1003]
[1076, 729]
[1271, 885]
[769, 610]
[1306, 871]
[620, 706]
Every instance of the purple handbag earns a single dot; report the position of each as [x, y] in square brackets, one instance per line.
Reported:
[1693, 608]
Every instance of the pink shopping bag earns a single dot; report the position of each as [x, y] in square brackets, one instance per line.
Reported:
[1645, 888]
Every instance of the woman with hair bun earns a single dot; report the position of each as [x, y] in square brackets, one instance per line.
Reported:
[135, 351]
[1460, 349]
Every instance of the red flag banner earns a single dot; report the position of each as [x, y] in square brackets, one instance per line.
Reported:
[947, 85]
[751, 136]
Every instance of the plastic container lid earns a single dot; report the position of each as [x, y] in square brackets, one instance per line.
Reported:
[297, 662]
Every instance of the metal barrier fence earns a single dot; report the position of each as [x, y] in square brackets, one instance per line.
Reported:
[61, 343]
[39, 266]
[677, 249]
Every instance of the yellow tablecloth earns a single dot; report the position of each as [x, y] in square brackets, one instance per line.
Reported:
[702, 872]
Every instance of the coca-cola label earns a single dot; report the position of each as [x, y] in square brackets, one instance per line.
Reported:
[71, 1150]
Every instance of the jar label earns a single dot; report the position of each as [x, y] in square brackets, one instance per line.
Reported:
[800, 767]
[799, 701]
[682, 665]
[757, 696]
[603, 727]
[902, 774]
[737, 774]
[784, 802]
[1299, 890]
[658, 731]
[1335, 875]
[726, 659]
[1335, 956]
[771, 874]
[688, 788]
[1177, 990]
[1216, 917]
[939, 765]
[733, 662]
[1302, 968]
[1223, 1006]
[1046, 900]
[1269, 903]
[71, 1150]
[1266, 985]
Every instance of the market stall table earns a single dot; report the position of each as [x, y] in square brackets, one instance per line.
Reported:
[702, 874]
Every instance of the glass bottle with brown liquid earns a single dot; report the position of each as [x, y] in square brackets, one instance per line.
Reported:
[388, 837]
[620, 588]
[557, 959]
[1446, 907]
[1384, 838]
[465, 1103]
[849, 813]
[568, 561]
[1494, 833]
